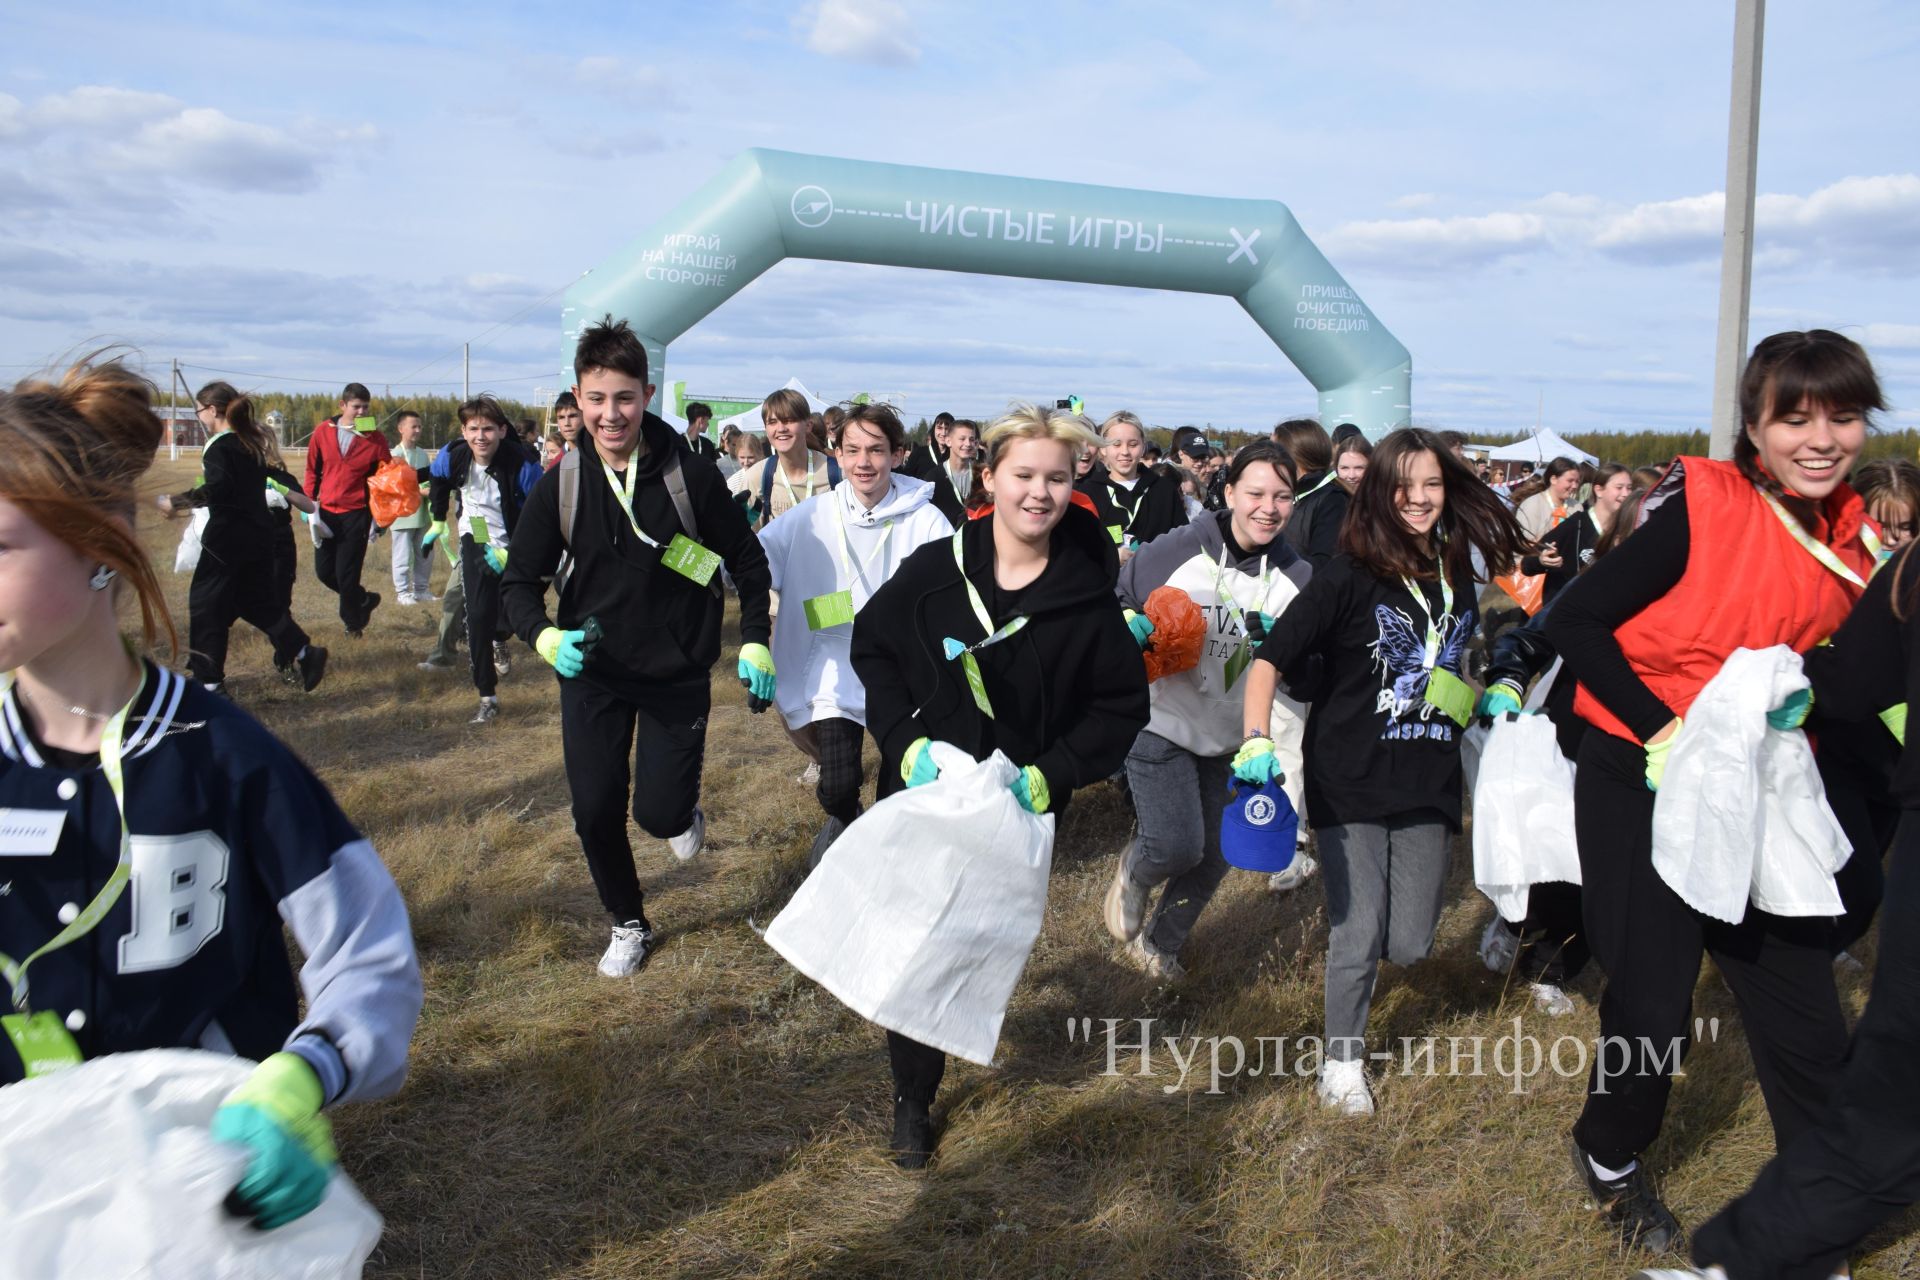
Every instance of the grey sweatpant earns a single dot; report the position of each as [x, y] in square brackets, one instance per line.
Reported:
[1179, 797]
[1386, 882]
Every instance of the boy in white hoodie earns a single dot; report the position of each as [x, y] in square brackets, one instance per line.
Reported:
[828, 555]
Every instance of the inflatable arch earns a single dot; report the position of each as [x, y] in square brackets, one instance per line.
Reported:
[769, 205]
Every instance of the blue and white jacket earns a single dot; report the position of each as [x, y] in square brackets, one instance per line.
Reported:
[232, 837]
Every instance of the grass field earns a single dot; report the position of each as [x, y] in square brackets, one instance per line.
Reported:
[717, 1115]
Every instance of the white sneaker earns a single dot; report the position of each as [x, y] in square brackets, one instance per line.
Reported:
[1298, 872]
[1684, 1273]
[688, 842]
[502, 663]
[628, 950]
[1343, 1085]
[1126, 904]
[809, 776]
[1498, 946]
[403, 598]
[1154, 962]
[1551, 1000]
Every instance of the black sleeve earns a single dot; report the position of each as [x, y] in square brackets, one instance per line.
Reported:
[1861, 672]
[1323, 535]
[1304, 626]
[1112, 696]
[1639, 571]
[724, 529]
[1523, 652]
[885, 641]
[283, 476]
[536, 554]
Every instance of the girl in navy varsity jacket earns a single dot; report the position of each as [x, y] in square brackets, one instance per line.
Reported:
[157, 838]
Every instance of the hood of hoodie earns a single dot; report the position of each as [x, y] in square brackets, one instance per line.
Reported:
[661, 439]
[903, 497]
[1081, 561]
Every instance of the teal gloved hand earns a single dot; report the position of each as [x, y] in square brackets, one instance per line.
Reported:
[1258, 624]
[1499, 699]
[561, 649]
[1657, 757]
[275, 1115]
[435, 531]
[1792, 713]
[1029, 787]
[496, 557]
[1255, 762]
[756, 673]
[1141, 626]
[916, 766]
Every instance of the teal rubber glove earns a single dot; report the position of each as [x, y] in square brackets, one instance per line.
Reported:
[275, 1115]
[1792, 713]
[917, 768]
[1255, 762]
[756, 673]
[1141, 626]
[1499, 699]
[1258, 624]
[562, 651]
[495, 557]
[435, 531]
[1657, 758]
[1030, 789]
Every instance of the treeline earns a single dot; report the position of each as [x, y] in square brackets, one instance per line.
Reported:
[1655, 448]
[437, 413]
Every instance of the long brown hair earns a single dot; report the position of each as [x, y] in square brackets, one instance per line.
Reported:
[1473, 515]
[71, 456]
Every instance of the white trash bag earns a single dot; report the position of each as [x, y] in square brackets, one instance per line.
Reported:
[1522, 814]
[107, 1170]
[922, 914]
[187, 558]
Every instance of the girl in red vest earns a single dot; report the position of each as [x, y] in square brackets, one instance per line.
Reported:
[1771, 548]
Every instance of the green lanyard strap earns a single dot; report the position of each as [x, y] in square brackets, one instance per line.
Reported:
[623, 490]
[1446, 610]
[964, 653]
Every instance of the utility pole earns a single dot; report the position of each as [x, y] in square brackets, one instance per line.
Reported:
[1736, 246]
[466, 352]
[173, 424]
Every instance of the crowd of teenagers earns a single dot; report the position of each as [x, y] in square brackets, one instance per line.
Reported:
[991, 588]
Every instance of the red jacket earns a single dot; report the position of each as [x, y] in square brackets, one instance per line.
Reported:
[339, 482]
[1748, 584]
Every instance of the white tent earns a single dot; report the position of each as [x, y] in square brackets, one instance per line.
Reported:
[1540, 448]
[750, 420]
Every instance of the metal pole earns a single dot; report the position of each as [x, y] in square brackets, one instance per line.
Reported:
[173, 424]
[1736, 245]
[466, 351]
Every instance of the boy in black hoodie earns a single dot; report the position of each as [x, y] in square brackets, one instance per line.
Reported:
[644, 525]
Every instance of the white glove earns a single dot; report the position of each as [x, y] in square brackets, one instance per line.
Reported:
[317, 529]
[373, 532]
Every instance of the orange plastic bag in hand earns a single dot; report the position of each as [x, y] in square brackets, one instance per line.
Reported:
[1527, 589]
[1179, 628]
[393, 491]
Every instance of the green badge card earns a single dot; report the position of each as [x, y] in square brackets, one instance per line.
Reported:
[477, 526]
[831, 610]
[42, 1041]
[690, 560]
[1451, 695]
[364, 425]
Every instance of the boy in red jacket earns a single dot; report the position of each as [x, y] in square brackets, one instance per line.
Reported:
[344, 452]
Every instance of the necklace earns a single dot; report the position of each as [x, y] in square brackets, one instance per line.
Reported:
[74, 710]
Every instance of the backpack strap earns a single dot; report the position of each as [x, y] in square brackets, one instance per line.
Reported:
[766, 483]
[833, 471]
[569, 469]
[676, 482]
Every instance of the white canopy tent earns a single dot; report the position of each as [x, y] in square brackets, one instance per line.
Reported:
[750, 419]
[1540, 448]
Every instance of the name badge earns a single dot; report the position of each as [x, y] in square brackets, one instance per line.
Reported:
[477, 528]
[690, 560]
[831, 610]
[1117, 533]
[30, 833]
[1450, 695]
[42, 1041]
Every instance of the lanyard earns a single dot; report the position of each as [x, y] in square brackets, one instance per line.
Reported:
[623, 489]
[780, 470]
[1226, 597]
[1140, 496]
[1819, 550]
[850, 563]
[1446, 610]
[954, 648]
[1324, 481]
[103, 902]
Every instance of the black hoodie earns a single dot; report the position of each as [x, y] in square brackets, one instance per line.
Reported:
[1318, 513]
[1151, 507]
[1069, 690]
[660, 628]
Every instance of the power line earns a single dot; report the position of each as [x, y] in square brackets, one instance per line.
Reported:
[500, 324]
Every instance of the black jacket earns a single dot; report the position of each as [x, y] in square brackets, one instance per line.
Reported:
[661, 628]
[1575, 538]
[233, 489]
[702, 447]
[1314, 529]
[1069, 690]
[1144, 512]
[924, 461]
[514, 468]
[1524, 653]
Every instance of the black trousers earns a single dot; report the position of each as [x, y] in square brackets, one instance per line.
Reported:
[1856, 792]
[1553, 937]
[1649, 943]
[480, 587]
[286, 561]
[337, 562]
[839, 740]
[667, 733]
[917, 1068]
[228, 587]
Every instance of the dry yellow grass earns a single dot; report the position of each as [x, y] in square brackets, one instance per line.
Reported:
[719, 1116]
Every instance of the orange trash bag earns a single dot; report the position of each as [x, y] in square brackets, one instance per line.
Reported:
[1528, 590]
[393, 491]
[1179, 628]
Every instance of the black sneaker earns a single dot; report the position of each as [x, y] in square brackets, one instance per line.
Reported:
[312, 665]
[502, 663]
[912, 1134]
[373, 602]
[289, 673]
[1631, 1205]
[824, 841]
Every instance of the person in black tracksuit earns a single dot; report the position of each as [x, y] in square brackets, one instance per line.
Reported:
[1318, 513]
[234, 577]
[1068, 689]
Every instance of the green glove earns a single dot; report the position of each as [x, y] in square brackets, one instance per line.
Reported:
[496, 557]
[1258, 624]
[756, 673]
[1141, 626]
[1792, 713]
[276, 1116]
[916, 766]
[1895, 718]
[435, 531]
[1499, 699]
[1657, 759]
[561, 649]
[1256, 763]
[1030, 789]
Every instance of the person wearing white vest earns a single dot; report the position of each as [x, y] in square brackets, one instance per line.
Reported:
[828, 555]
[1234, 565]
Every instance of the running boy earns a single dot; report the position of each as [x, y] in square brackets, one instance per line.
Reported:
[345, 450]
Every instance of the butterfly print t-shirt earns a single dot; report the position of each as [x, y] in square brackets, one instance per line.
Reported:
[1375, 747]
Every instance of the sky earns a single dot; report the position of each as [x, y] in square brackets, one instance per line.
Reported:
[1527, 196]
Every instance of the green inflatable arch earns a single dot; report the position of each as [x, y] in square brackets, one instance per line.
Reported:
[769, 205]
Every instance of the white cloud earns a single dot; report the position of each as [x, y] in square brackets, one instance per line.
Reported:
[99, 107]
[1891, 337]
[209, 145]
[1417, 200]
[876, 32]
[1437, 243]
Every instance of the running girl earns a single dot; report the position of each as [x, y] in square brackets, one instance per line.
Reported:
[1142, 505]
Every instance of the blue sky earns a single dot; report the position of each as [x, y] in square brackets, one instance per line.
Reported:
[1524, 194]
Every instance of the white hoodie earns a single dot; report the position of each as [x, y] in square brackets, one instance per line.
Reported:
[808, 558]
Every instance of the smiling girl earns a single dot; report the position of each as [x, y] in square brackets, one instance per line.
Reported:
[1137, 504]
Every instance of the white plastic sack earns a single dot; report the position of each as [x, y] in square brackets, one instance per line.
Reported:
[1742, 813]
[187, 558]
[1523, 814]
[922, 914]
[107, 1171]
